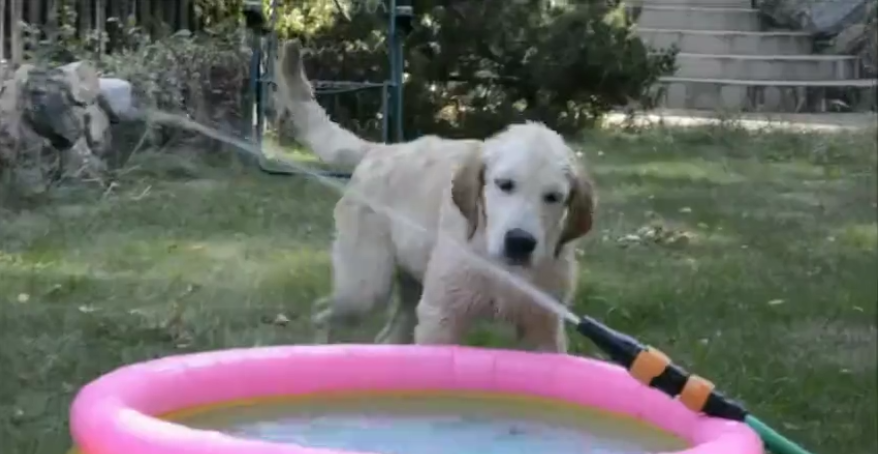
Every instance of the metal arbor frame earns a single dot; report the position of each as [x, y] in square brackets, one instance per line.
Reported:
[264, 46]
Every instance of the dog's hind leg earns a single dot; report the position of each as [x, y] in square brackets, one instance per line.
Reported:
[362, 273]
[400, 328]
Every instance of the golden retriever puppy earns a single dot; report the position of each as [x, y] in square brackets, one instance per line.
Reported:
[435, 215]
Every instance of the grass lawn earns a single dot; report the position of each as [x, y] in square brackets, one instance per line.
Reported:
[748, 257]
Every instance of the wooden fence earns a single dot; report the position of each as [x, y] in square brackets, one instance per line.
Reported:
[89, 16]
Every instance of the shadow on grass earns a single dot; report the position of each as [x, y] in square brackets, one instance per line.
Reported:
[772, 296]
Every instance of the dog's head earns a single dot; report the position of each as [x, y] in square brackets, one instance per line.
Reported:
[528, 192]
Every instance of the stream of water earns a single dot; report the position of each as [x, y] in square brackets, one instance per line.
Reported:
[537, 295]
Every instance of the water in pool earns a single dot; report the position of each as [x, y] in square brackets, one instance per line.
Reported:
[437, 424]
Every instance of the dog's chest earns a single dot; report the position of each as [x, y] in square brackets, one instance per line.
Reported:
[509, 301]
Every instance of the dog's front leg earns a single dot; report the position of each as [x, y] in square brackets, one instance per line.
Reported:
[438, 325]
[400, 327]
[544, 333]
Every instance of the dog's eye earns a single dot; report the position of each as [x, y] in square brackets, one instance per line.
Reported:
[505, 185]
[552, 197]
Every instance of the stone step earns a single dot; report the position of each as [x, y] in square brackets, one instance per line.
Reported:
[694, 3]
[699, 18]
[767, 67]
[767, 95]
[759, 121]
[728, 42]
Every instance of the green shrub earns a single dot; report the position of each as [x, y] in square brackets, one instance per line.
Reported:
[472, 67]
[202, 75]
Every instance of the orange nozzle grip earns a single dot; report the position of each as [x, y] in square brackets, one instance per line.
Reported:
[648, 364]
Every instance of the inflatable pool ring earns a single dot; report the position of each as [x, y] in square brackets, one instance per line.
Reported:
[120, 412]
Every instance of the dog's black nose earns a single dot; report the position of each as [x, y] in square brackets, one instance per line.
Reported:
[518, 244]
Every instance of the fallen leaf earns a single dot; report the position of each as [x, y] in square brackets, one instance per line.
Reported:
[629, 239]
[23, 298]
[53, 290]
[680, 239]
[281, 320]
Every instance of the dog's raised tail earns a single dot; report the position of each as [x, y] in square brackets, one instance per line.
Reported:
[294, 97]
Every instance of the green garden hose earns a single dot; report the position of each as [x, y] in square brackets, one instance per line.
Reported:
[774, 441]
[654, 369]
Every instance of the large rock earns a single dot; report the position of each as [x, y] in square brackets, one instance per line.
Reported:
[820, 17]
[117, 99]
[50, 109]
[860, 39]
[52, 125]
[14, 135]
[97, 131]
[83, 80]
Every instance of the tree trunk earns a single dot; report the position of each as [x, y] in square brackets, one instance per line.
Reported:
[117, 9]
[51, 25]
[86, 18]
[183, 15]
[2, 39]
[156, 30]
[15, 32]
[101, 25]
[35, 12]
[144, 15]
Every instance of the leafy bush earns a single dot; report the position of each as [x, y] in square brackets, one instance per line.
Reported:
[203, 75]
[200, 75]
[472, 67]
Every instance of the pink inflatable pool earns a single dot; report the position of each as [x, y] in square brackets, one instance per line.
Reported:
[120, 412]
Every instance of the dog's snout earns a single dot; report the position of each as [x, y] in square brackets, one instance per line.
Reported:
[518, 244]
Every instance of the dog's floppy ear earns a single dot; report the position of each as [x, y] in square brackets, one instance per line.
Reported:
[581, 205]
[466, 188]
[292, 72]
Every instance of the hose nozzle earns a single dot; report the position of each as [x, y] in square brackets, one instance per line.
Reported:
[654, 369]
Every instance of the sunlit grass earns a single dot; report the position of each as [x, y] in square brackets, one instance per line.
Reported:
[771, 295]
